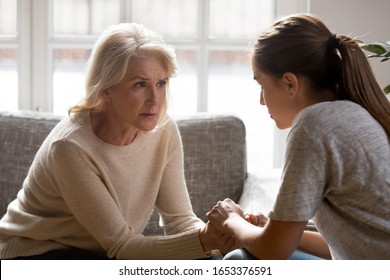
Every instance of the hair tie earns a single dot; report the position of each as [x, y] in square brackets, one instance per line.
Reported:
[334, 42]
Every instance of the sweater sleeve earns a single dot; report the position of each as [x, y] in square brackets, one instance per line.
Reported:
[96, 211]
[173, 202]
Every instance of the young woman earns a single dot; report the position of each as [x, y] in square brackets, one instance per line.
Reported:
[337, 163]
[99, 174]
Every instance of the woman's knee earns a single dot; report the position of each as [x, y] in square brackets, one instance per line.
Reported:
[239, 254]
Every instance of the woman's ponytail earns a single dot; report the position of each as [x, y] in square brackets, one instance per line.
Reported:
[358, 82]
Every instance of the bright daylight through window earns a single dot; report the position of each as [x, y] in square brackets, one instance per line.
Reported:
[42, 64]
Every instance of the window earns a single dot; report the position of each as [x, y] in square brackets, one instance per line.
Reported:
[8, 55]
[42, 64]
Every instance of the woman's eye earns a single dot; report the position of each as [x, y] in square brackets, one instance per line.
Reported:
[161, 84]
[140, 84]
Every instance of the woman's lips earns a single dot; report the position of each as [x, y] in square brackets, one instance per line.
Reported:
[149, 115]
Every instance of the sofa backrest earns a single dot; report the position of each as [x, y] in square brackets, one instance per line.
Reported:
[214, 157]
[21, 135]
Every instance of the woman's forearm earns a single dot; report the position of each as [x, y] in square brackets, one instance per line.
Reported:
[313, 243]
[277, 240]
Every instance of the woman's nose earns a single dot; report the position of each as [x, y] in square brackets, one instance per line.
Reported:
[262, 102]
[152, 96]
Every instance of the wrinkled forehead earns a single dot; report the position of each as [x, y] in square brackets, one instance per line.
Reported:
[151, 58]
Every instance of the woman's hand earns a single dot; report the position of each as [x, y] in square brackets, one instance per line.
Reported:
[212, 239]
[222, 212]
[258, 219]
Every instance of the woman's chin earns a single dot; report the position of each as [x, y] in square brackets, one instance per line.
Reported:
[281, 126]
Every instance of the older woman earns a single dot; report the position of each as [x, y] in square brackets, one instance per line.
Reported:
[99, 174]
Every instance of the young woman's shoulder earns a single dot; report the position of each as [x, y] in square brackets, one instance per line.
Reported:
[330, 108]
[341, 118]
[334, 112]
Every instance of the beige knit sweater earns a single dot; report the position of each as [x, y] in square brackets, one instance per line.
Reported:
[84, 193]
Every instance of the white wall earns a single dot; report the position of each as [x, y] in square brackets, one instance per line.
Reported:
[367, 19]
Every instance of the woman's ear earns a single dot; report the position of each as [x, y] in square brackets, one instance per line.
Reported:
[106, 95]
[291, 82]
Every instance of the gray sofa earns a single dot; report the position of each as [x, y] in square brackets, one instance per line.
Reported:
[214, 156]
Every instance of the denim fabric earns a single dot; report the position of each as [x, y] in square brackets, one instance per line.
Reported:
[243, 254]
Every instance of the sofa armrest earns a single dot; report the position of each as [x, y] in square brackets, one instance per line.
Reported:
[259, 194]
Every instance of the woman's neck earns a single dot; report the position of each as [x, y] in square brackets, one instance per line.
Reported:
[111, 131]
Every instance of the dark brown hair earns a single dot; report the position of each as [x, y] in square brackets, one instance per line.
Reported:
[303, 45]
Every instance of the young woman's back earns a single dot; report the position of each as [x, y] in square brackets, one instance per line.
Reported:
[337, 171]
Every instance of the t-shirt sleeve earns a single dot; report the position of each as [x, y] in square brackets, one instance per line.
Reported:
[304, 177]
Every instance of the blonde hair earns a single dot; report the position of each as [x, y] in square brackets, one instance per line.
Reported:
[117, 48]
[303, 45]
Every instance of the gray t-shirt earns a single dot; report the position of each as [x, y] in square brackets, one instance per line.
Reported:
[337, 171]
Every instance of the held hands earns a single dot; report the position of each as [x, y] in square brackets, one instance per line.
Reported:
[258, 220]
[222, 218]
[212, 236]
[212, 239]
[227, 209]
[222, 212]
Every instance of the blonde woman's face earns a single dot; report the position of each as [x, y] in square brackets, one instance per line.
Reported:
[137, 101]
